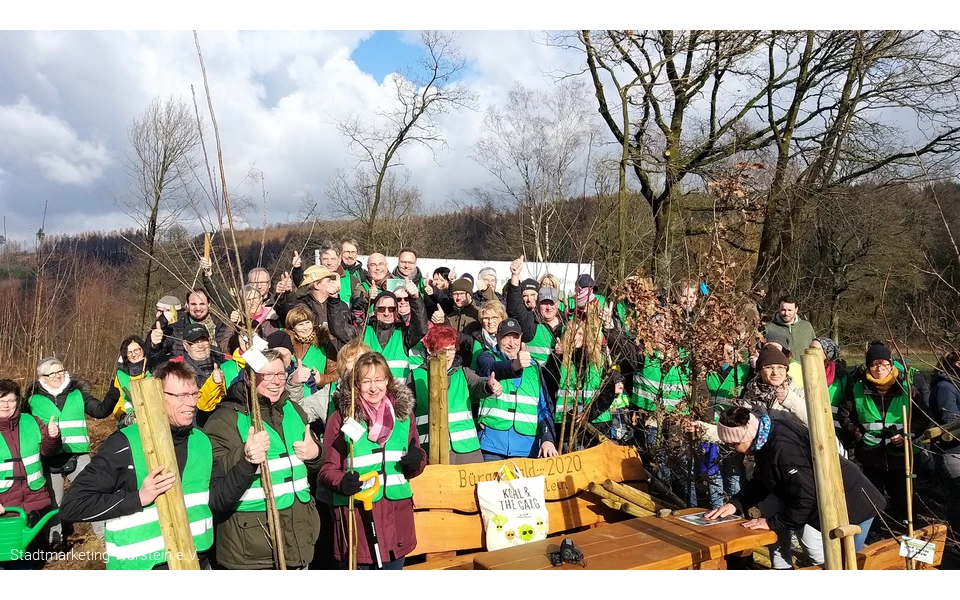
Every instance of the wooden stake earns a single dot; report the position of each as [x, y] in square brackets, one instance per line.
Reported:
[206, 245]
[908, 473]
[157, 442]
[632, 495]
[831, 499]
[846, 535]
[438, 410]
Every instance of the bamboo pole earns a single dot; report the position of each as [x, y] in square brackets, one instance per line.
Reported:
[908, 473]
[439, 427]
[831, 499]
[157, 442]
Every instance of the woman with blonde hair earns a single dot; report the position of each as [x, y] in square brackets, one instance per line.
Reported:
[387, 445]
[551, 281]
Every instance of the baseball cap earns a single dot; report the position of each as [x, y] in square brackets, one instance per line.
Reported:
[585, 281]
[529, 284]
[508, 326]
[196, 332]
[547, 294]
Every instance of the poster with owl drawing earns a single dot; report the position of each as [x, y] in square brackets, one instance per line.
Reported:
[514, 511]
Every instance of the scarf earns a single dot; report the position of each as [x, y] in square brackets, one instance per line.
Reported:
[488, 341]
[57, 390]
[135, 369]
[831, 369]
[380, 420]
[763, 432]
[830, 348]
[583, 296]
[305, 339]
[211, 328]
[759, 392]
[261, 314]
[883, 385]
[203, 368]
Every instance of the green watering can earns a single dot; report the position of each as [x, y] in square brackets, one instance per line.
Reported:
[15, 536]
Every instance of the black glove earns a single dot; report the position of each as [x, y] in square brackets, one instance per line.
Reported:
[411, 460]
[350, 484]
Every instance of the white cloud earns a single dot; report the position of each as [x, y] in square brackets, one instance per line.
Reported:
[50, 143]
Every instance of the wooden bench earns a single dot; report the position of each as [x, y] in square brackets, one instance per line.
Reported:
[885, 554]
[447, 516]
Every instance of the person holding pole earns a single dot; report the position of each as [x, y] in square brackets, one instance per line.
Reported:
[117, 485]
[783, 468]
[243, 541]
[376, 449]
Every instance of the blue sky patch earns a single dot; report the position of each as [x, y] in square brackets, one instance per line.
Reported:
[384, 53]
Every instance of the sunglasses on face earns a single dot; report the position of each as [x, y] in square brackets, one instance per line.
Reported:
[386, 309]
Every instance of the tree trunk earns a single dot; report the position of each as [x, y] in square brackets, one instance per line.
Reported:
[151, 245]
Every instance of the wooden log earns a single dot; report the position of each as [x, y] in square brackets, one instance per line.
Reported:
[826, 460]
[846, 534]
[635, 511]
[157, 441]
[609, 498]
[634, 496]
[612, 503]
[206, 245]
[438, 408]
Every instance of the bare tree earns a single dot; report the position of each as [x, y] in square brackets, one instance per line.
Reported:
[164, 152]
[537, 149]
[419, 98]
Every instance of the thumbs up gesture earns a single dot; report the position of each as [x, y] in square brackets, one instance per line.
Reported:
[427, 288]
[438, 316]
[307, 449]
[284, 284]
[235, 316]
[296, 262]
[516, 266]
[411, 289]
[52, 428]
[217, 374]
[156, 336]
[256, 447]
[524, 356]
[494, 386]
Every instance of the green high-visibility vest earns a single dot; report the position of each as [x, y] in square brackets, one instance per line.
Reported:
[30, 440]
[316, 359]
[418, 355]
[542, 344]
[231, 370]
[371, 457]
[652, 387]
[836, 392]
[620, 401]
[873, 423]
[516, 406]
[576, 401]
[122, 383]
[462, 428]
[72, 420]
[288, 474]
[475, 355]
[722, 391]
[135, 541]
[346, 287]
[394, 353]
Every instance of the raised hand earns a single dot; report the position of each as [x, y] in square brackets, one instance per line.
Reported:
[256, 447]
[515, 267]
[235, 316]
[53, 430]
[494, 385]
[438, 316]
[411, 289]
[453, 275]
[427, 288]
[207, 265]
[155, 484]
[524, 356]
[156, 336]
[302, 374]
[297, 261]
[307, 449]
[284, 284]
[217, 374]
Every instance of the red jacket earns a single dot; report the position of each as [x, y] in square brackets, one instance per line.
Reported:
[396, 533]
[20, 494]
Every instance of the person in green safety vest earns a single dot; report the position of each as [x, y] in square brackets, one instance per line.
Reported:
[292, 457]
[463, 386]
[120, 487]
[581, 375]
[24, 441]
[551, 281]
[315, 362]
[584, 295]
[383, 440]
[871, 420]
[70, 401]
[132, 364]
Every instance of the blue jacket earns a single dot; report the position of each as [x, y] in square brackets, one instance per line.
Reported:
[945, 403]
[510, 442]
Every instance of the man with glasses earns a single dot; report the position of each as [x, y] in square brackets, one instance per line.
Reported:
[293, 453]
[348, 257]
[119, 487]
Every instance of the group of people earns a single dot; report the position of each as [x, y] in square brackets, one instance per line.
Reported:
[343, 393]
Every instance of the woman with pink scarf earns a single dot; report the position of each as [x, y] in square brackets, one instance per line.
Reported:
[385, 441]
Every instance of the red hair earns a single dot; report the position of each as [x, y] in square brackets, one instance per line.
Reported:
[440, 336]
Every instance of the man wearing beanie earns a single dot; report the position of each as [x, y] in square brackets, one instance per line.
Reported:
[784, 469]
[871, 420]
[487, 287]
[459, 308]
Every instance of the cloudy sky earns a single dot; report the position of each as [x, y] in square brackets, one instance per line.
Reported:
[67, 100]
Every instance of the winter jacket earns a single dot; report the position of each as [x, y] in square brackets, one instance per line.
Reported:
[488, 294]
[343, 331]
[356, 270]
[20, 494]
[172, 344]
[529, 319]
[267, 323]
[784, 468]
[91, 406]
[396, 533]
[799, 334]
[945, 402]
[107, 488]
[241, 537]
[851, 430]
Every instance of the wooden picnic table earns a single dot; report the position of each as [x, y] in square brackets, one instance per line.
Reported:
[644, 543]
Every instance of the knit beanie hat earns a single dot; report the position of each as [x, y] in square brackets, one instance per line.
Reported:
[769, 355]
[462, 285]
[878, 351]
[736, 435]
[487, 271]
